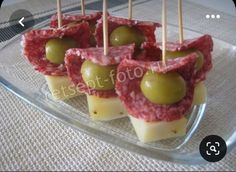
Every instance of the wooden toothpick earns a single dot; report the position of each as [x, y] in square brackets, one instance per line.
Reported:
[105, 28]
[164, 31]
[82, 8]
[180, 17]
[59, 13]
[130, 9]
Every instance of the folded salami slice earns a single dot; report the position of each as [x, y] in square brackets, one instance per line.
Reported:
[76, 19]
[75, 58]
[66, 19]
[148, 28]
[34, 43]
[129, 76]
[204, 44]
[150, 51]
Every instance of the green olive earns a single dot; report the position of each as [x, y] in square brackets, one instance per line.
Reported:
[163, 89]
[56, 48]
[98, 77]
[175, 54]
[125, 35]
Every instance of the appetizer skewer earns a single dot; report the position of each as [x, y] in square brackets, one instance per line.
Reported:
[164, 31]
[93, 70]
[45, 50]
[82, 8]
[163, 89]
[130, 10]
[59, 13]
[123, 31]
[70, 20]
[157, 96]
[202, 46]
[180, 20]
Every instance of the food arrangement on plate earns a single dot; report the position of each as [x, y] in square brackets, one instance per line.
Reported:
[122, 70]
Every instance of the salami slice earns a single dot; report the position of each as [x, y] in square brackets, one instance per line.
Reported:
[150, 52]
[34, 43]
[76, 19]
[148, 28]
[129, 76]
[204, 44]
[66, 19]
[75, 58]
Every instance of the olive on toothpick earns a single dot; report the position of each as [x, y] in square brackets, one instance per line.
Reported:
[165, 88]
[125, 35]
[56, 48]
[98, 77]
[175, 54]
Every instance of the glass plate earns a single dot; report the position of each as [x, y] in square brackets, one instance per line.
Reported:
[17, 75]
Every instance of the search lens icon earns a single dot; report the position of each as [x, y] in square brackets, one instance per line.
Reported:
[213, 148]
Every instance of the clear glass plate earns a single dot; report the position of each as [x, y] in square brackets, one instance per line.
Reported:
[17, 75]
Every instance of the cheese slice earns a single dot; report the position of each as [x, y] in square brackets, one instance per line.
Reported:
[105, 109]
[200, 94]
[160, 130]
[61, 87]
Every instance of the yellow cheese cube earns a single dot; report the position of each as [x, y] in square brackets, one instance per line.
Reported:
[105, 109]
[160, 130]
[61, 87]
[200, 94]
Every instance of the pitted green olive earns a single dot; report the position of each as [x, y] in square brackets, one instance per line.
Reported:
[163, 89]
[98, 77]
[175, 54]
[56, 48]
[125, 35]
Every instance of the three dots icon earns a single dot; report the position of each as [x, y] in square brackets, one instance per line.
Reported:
[212, 16]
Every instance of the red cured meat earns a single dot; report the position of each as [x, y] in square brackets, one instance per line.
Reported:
[75, 58]
[91, 19]
[150, 52]
[34, 43]
[66, 19]
[129, 76]
[204, 44]
[148, 28]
